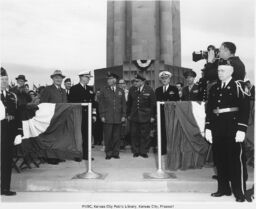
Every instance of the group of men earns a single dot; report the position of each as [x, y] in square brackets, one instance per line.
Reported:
[226, 123]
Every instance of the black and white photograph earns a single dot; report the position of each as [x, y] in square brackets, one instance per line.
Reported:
[127, 104]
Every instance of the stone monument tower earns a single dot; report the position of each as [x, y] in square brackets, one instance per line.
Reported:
[145, 37]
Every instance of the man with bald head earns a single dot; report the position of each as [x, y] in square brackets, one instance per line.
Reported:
[227, 116]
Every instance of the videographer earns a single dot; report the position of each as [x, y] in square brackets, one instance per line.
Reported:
[226, 55]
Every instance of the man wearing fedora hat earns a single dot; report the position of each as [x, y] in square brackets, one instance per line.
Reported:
[54, 93]
[112, 109]
[8, 133]
[191, 91]
[141, 112]
[82, 93]
[166, 92]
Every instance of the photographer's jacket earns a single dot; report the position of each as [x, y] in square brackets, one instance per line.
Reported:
[227, 110]
[211, 69]
[141, 105]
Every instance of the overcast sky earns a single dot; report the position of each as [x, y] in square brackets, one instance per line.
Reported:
[71, 35]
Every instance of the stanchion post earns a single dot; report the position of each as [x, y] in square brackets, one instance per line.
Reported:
[89, 174]
[160, 173]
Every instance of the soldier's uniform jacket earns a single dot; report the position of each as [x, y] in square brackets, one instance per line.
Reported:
[192, 95]
[171, 94]
[10, 103]
[141, 105]
[79, 94]
[112, 105]
[227, 123]
[53, 95]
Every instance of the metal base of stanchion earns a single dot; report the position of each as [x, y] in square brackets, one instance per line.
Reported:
[159, 174]
[90, 175]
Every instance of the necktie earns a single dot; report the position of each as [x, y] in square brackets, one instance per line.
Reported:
[224, 85]
[139, 90]
[3, 93]
[113, 89]
[164, 89]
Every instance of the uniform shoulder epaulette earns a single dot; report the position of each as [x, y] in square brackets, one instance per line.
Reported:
[240, 86]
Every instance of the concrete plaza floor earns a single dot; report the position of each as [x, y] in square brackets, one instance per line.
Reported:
[123, 182]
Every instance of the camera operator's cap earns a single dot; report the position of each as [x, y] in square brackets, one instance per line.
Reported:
[189, 73]
[57, 72]
[112, 75]
[85, 73]
[67, 80]
[165, 74]
[3, 72]
[21, 77]
[139, 77]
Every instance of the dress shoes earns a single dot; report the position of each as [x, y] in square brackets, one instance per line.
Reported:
[240, 199]
[8, 193]
[108, 157]
[144, 155]
[77, 159]
[116, 156]
[86, 158]
[219, 194]
[215, 177]
[135, 155]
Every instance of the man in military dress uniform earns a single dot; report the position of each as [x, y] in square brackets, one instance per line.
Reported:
[8, 132]
[166, 92]
[82, 93]
[226, 123]
[141, 112]
[112, 109]
[191, 91]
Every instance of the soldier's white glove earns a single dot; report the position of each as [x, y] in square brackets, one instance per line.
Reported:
[208, 135]
[18, 140]
[94, 119]
[240, 136]
[103, 120]
[123, 119]
[152, 120]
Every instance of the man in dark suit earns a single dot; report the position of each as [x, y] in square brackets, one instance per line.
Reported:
[54, 93]
[166, 92]
[8, 132]
[82, 93]
[227, 117]
[141, 112]
[112, 109]
[67, 84]
[191, 91]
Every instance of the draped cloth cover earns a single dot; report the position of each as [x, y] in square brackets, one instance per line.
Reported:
[54, 131]
[186, 146]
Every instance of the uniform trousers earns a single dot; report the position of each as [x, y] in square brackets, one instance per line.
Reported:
[111, 135]
[140, 137]
[8, 130]
[230, 160]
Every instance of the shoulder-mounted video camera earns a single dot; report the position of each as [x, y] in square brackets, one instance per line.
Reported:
[196, 56]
